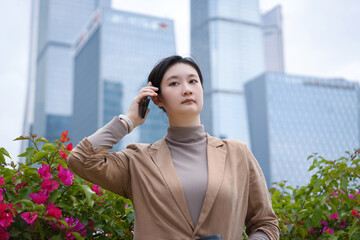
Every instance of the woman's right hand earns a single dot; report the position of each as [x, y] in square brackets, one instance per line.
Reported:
[133, 112]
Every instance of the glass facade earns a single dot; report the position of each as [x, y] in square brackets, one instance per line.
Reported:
[292, 117]
[59, 23]
[273, 40]
[227, 42]
[127, 45]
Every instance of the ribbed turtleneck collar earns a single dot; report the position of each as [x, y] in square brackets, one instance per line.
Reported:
[190, 134]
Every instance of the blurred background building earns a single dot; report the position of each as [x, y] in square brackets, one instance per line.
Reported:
[227, 41]
[273, 40]
[57, 24]
[114, 54]
[293, 116]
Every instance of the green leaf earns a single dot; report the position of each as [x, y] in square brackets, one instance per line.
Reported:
[54, 196]
[49, 147]
[344, 184]
[77, 235]
[354, 227]
[2, 159]
[88, 193]
[27, 203]
[57, 237]
[317, 216]
[28, 154]
[42, 139]
[289, 228]
[4, 152]
[309, 157]
[311, 168]
[64, 223]
[40, 229]
[38, 156]
[27, 235]
[22, 138]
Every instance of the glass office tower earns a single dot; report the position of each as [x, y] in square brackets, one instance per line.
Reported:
[273, 40]
[59, 22]
[292, 117]
[113, 56]
[227, 42]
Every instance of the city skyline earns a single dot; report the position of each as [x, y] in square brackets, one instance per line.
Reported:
[300, 56]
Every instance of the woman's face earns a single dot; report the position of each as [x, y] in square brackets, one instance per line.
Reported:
[181, 91]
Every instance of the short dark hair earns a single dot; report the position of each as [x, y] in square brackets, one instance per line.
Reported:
[157, 73]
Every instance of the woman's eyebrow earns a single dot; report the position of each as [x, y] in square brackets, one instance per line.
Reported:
[188, 76]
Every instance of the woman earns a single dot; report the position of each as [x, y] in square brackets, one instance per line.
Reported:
[189, 184]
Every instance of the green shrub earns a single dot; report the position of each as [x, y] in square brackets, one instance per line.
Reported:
[326, 208]
[43, 199]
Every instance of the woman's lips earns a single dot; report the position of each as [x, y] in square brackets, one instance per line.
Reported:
[188, 100]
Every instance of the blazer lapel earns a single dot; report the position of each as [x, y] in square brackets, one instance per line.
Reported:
[161, 156]
[216, 155]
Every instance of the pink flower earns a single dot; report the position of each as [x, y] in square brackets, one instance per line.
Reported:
[53, 211]
[355, 213]
[53, 225]
[44, 171]
[6, 216]
[63, 137]
[358, 192]
[69, 147]
[1, 197]
[334, 216]
[63, 155]
[95, 188]
[342, 224]
[334, 194]
[2, 181]
[65, 175]
[29, 217]
[126, 205]
[74, 227]
[39, 198]
[311, 230]
[49, 186]
[324, 223]
[20, 185]
[351, 196]
[328, 230]
[4, 234]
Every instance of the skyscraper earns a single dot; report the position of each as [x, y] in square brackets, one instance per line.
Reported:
[227, 42]
[58, 23]
[292, 117]
[114, 54]
[273, 40]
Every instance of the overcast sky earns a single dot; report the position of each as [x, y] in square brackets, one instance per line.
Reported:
[321, 38]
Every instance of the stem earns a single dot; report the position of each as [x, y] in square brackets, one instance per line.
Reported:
[4, 191]
[34, 142]
[65, 190]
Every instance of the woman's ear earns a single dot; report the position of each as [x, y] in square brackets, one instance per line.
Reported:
[157, 100]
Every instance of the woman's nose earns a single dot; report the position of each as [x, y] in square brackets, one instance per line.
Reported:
[187, 89]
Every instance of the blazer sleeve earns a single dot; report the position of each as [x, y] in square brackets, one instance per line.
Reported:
[260, 215]
[97, 165]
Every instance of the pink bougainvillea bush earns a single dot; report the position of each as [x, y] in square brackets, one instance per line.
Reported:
[42, 199]
[328, 207]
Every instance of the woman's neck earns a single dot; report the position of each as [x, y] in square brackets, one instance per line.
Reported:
[184, 121]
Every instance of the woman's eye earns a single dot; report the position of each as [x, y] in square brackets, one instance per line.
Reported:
[173, 84]
[193, 81]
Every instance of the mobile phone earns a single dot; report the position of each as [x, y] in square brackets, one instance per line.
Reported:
[143, 106]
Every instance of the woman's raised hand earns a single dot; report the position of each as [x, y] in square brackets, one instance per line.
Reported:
[133, 112]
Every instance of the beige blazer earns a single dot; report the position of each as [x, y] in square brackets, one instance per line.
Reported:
[236, 194]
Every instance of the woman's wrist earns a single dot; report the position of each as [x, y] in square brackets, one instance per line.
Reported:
[127, 121]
